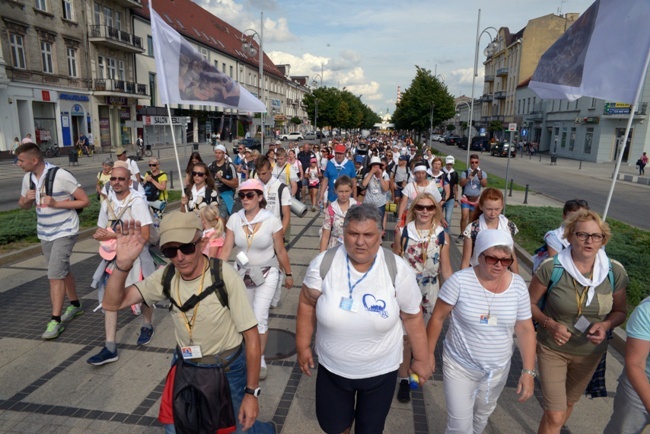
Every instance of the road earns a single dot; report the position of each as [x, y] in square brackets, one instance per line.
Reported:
[630, 202]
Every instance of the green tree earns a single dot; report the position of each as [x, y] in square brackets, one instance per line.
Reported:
[451, 127]
[296, 120]
[494, 126]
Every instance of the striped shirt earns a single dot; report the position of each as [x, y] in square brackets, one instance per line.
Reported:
[470, 341]
[53, 223]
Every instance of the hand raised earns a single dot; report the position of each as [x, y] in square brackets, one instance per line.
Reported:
[129, 243]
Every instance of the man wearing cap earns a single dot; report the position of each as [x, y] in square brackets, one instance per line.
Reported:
[376, 183]
[133, 168]
[337, 166]
[122, 204]
[305, 156]
[214, 343]
[451, 176]
[225, 178]
[57, 225]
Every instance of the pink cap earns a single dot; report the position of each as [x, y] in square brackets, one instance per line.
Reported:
[252, 184]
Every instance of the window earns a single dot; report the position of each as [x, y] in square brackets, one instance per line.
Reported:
[101, 67]
[41, 5]
[152, 88]
[593, 103]
[117, 20]
[223, 67]
[68, 12]
[120, 70]
[204, 52]
[108, 17]
[111, 68]
[231, 71]
[17, 48]
[572, 139]
[149, 46]
[563, 143]
[72, 62]
[589, 138]
[46, 57]
[98, 14]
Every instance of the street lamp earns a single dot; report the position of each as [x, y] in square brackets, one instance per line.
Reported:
[489, 50]
[249, 48]
[458, 114]
[315, 85]
[441, 78]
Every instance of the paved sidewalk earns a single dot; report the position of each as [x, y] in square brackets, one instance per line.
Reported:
[49, 387]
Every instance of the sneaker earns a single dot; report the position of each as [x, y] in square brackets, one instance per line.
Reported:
[135, 308]
[53, 330]
[103, 357]
[263, 370]
[71, 312]
[146, 334]
[313, 208]
[404, 392]
[460, 239]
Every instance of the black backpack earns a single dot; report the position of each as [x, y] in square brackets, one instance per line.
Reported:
[49, 183]
[151, 192]
[217, 286]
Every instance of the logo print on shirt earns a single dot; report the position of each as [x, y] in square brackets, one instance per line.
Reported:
[378, 306]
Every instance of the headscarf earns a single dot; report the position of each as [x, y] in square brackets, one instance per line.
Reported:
[489, 238]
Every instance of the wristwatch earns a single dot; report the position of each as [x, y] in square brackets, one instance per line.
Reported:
[532, 373]
[255, 392]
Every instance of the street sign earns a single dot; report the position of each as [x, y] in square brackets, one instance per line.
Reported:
[512, 127]
[482, 132]
[524, 133]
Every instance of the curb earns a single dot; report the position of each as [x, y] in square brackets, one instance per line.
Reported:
[35, 250]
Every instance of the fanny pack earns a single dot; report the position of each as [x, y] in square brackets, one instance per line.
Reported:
[470, 200]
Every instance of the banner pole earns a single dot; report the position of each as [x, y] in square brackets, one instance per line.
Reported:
[178, 163]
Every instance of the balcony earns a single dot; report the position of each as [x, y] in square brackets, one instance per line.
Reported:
[132, 4]
[502, 72]
[114, 38]
[487, 97]
[110, 87]
[489, 78]
[496, 118]
[500, 94]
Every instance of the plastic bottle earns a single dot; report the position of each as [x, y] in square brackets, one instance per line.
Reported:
[414, 381]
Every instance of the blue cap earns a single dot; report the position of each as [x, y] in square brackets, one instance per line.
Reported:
[358, 159]
[404, 157]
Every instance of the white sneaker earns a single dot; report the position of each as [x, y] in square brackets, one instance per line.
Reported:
[263, 370]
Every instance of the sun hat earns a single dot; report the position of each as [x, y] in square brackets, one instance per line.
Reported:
[179, 227]
[374, 160]
[251, 184]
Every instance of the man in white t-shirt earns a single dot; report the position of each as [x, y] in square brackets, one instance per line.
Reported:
[133, 168]
[284, 171]
[122, 204]
[362, 312]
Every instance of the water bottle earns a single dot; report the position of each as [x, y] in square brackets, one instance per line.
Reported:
[414, 381]
[320, 206]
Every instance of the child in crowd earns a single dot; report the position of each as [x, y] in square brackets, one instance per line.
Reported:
[212, 230]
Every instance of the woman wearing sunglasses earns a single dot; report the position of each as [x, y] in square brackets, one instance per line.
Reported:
[575, 315]
[487, 215]
[424, 244]
[200, 191]
[194, 158]
[487, 303]
[257, 234]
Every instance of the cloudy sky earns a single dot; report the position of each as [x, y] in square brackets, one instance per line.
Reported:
[372, 47]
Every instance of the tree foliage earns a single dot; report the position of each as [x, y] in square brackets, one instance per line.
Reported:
[339, 108]
[413, 112]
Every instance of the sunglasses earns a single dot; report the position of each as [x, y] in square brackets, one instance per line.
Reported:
[201, 174]
[117, 178]
[186, 249]
[247, 194]
[423, 207]
[153, 165]
[492, 260]
[473, 162]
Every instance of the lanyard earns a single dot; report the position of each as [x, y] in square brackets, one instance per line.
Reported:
[350, 285]
[189, 323]
[580, 298]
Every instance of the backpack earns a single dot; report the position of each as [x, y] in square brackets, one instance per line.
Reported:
[405, 239]
[151, 192]
[389, 256]
[49, 183]
[218, 286]
[558, 269]
[408, 174]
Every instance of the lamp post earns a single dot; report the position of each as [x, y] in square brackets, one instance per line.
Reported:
[440, 78]
[248, 47]
[489, 50]
[316, 86]
[458, 113]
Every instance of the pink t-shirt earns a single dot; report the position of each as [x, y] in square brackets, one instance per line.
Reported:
[213, 241]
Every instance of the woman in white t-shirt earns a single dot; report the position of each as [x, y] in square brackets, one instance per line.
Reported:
[257, 233]
[420, 185]
[201, 191]
[487, 303]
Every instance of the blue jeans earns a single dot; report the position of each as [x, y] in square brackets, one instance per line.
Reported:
[237, 381]
[449, 209]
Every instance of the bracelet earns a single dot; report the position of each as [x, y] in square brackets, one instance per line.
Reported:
[123, 271]
[532, 373]
[289, 275]
[546, 321]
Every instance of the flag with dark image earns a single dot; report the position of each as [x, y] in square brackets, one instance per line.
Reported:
[186, 77]
[602, 55]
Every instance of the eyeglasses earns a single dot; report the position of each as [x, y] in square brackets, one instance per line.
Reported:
[201, 174]
[492, 260]
[248, 195]
[186, 249]
[583, 236]
[423, 207]
[117, 178]
[473, 162]
[153, 165]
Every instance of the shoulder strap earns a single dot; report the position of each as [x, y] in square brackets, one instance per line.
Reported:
[216, 269]
[389, 256]
[280, 190]
[610, 274]
[441, 238]
[404, 239]
[49, 180]
[326, 263]
[391, 264]
[167, 277]
[555, 275]
[218, 286]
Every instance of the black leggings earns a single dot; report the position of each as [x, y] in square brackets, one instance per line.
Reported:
[336, 396]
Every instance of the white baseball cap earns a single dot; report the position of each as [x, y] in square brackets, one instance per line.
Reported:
[450, 159]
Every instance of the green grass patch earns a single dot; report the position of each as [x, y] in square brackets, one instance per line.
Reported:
[628, 245]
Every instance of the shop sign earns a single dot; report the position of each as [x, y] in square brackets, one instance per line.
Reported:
[73, 97]
[46, 95]
[116, 100]
[125, 113]
[77, 110]
[162, 120]
[65, 122]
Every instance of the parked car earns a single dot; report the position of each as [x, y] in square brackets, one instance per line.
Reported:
[252, 144]
[461, 142]
[452, 140]
[481, 144]
[292, 136]
[313, 135]
[501, 150]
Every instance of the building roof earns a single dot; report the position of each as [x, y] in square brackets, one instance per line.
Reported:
[200, 26]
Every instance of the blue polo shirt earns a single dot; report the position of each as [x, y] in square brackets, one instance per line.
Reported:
[332, 172]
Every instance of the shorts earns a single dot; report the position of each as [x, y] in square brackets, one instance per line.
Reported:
[398, 193]
[57, 255]
[467, 206]
[364, 401]
[314, 187]
[564, 377]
